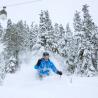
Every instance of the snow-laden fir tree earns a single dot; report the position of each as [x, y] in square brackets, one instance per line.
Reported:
[23, 32]
[49, 31]
[86, 48]
[2, 66]
[7, 38]
[70, 50]
[95, 49]
[10, 38]
[1, 31]
[77, 22]
[88, 24]
[45, 30]
[26, 36]
[15, 39]
[56, 35]
[89, 30]
[62, 41]
[33, 35]
[68, 31]
[59, 40]
[42, 30]
[62, 30]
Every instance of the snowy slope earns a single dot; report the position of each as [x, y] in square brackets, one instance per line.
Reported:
[24, 84]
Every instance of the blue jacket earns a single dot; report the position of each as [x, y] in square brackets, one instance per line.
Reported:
[44, 67]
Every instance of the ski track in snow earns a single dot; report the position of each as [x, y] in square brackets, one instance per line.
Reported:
[24, 83]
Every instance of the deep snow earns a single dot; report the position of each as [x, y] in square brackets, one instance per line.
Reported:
[24, 83]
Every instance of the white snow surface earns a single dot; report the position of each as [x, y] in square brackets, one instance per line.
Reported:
[24, 84]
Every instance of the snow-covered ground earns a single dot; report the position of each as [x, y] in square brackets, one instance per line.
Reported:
[24, 83]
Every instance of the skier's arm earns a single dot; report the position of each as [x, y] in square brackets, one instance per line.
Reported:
[54, 69]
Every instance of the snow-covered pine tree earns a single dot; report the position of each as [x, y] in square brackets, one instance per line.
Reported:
[2, 62]
[59, 39]
[55, 38]
[26, 36]
[95, 49]
[2, 66]
[61, 31]
[62, 41]
[88, 24]
[42, 30]
[77, 22]
[10, 42]
[7, 38]
[15, 40]
[1, 31]
[68, 38]
[45, 30]
[70, 50]
[49, 31]
[33, 35]
[78, 38]
[68, 31]
[86, 46]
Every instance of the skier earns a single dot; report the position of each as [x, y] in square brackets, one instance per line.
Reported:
[44, 66]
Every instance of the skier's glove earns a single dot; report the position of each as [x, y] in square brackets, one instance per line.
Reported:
[59, 73]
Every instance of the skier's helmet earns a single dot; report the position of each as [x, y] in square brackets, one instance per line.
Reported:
[45, 54]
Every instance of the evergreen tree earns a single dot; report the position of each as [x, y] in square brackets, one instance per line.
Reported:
[42, 30]
[49, 30]
[56, 38]
[71, 48]
[62, 41]
[89, 30]
[77, 22]
[14, 39]
[45, 30]
[95, 49]
[33, 35]
[68, 31]
[1, 31]
[26, 36]
[59, 41]
[2, 66]
[62, 31]
[88, 24]
[9, 24]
